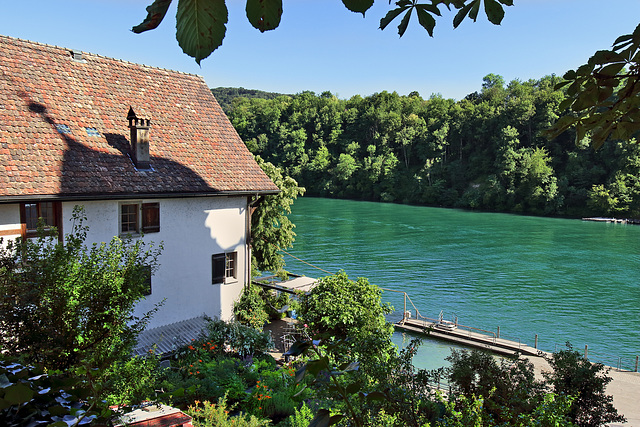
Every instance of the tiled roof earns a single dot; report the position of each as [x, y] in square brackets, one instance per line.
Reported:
[64, 133]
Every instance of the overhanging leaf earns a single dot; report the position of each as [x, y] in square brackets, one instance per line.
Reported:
[404, 23]
[610, 70]
[473, 13]
[298, 348]
[374, 395]
[264, 15]
[18, 394]
[426, 20]
[322, 419]
[391, 15]
[200, 26]
[494, 11]
[155, 14]
[462, 13]
[4, 381]
[358, 6]
[335, 419]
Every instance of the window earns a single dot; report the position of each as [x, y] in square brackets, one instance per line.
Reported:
[224, 267]
[49, 213]
[139, 217]
[61, 128]
[92, 132]
[146, 273]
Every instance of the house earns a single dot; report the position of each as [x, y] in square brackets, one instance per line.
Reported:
[148, 152]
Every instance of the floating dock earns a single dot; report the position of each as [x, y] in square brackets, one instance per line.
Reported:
[614, 220]
[467, 336]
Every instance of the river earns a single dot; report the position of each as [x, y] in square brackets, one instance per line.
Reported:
[562, 279]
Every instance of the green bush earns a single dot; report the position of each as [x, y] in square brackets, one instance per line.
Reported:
[574, 375]
[134, 380]
[351, 313]
[251, 309]
[301, 418]
[217, 415]
[244, 340]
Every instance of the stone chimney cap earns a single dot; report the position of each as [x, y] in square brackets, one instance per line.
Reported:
[133, 119]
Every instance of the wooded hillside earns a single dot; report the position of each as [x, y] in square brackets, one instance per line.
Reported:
[483, 152]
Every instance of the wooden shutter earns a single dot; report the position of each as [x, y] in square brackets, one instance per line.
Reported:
[218, 265]
[150, 217]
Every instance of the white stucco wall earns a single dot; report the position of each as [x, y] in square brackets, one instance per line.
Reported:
[192, 230]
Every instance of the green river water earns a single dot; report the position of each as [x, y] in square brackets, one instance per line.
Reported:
[562, 279]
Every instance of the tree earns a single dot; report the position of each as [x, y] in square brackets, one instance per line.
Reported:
[63, 304]
[271, 229]
[575, 375]
[67, 310]
[351, 312]
[509, 387]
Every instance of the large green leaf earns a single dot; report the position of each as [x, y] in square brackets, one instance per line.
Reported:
[473, 13]
[462, 13]
[18, 394]
[155, 14]
[392, 14]
[610, 70]
[358, 6]
[426, 20]
[494, 11]
[264, 15]
[201, 26]
[322, 419]
[404, 23]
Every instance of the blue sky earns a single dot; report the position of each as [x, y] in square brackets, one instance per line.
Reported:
[321, 46]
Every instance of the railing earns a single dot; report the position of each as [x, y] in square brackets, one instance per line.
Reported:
[605, 359]
[424, 319]
[621, 364]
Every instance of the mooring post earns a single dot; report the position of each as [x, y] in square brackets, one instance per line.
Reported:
[498, 336]
[536, 344]
[636, 363]
[405, 305]
[586, 350]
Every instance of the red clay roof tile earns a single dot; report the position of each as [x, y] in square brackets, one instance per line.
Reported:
[193, 146]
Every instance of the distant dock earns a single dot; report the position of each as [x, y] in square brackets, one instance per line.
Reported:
[467, 336]
[614, 220]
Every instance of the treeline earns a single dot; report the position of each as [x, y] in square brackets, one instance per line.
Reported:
[226, 95]
[484, 152]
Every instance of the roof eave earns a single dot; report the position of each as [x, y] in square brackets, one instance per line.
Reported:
[129, 196]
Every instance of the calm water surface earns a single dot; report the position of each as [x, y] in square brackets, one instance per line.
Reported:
[565, 280]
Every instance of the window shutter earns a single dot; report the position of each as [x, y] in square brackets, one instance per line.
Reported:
[150, 217]
[218, 268]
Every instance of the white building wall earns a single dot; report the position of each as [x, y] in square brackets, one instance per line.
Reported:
[192, 230]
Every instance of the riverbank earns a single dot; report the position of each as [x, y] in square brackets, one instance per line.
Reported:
[624, 387]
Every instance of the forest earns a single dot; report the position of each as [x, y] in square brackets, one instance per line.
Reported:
[485, 152]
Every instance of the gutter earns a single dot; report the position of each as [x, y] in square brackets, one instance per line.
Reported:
[128, 196]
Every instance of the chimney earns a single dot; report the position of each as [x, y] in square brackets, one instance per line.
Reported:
[139, 140]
